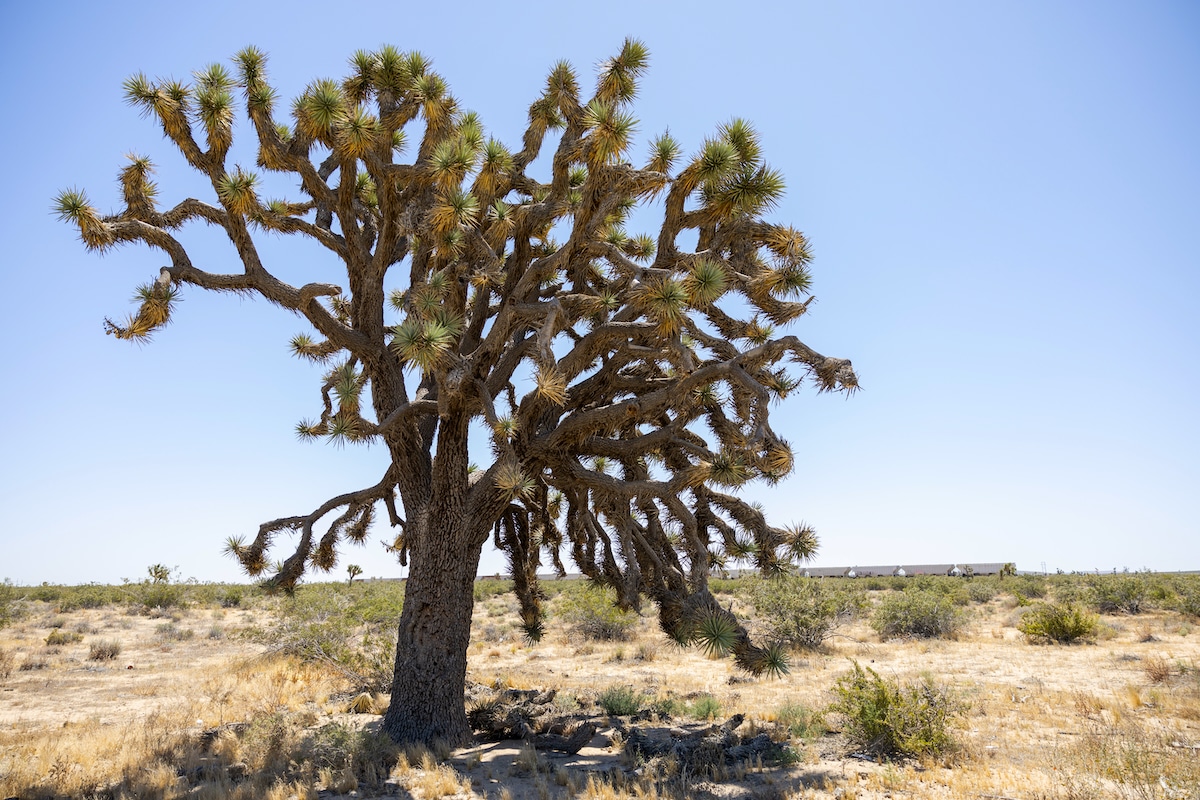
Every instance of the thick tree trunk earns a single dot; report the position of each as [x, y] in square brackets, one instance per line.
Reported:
[428, 702]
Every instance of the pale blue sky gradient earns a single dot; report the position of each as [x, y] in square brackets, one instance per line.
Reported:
[1004, 201]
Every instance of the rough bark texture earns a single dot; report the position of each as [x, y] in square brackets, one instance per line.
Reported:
[428, 702]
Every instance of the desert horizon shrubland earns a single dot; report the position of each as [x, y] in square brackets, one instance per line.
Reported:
[261, 708]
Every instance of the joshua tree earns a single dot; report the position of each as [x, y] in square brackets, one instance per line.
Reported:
[622, 381]
[353, 571]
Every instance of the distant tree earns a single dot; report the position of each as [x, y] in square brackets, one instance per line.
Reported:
[353, 570]
[159, 573]
[1009, 570]
[622, 382]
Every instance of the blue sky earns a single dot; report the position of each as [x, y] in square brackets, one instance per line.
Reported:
[1003, 199]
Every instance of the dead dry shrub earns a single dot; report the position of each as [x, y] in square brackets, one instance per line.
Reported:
[1158, 669]
[104, 650]
[7, 661]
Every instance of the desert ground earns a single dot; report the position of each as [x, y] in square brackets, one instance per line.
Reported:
[207, 695]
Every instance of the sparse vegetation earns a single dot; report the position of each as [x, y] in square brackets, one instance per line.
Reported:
[10, 608]
[276, 726]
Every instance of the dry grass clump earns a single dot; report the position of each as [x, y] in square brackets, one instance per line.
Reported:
[104, 650]
[418, 771]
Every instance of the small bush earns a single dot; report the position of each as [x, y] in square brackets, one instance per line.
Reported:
[11, 607]
[667, 707]
[590, 613]
[620, 701]
[802, 722]
[1187, 598]
[61, 637]
[1158, 669]
[159, 595]
[1119, 594]
[888, 719]
[1034, 586]
[801, 612]
[487, 588]
[981, 591]
[705, 707]
[169, 631]
[7, 660]
[953, 589]
[646, 651]
[1059, 622]
[104, 650]
[915, 612]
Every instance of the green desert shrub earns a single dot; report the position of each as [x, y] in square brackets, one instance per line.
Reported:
[801, 612]
[887, 718]
[1035, 586]
[981, 591]
[487, 588]
[369, 755]
[11, 608]
[589, 613]
[59, 637]
[159, 596]
[620, 701]
[705, 706]
[1119, 594]
[953, 589]
[92, 595]
[667, 707]
[924, 614]
[1059, 622]
[802, 722]
[1187, 596]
